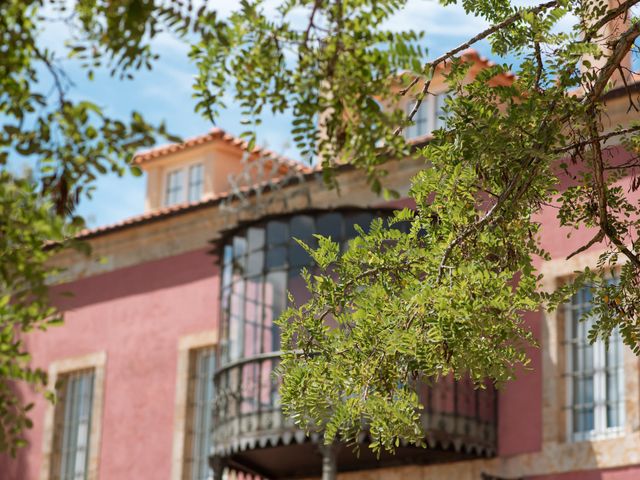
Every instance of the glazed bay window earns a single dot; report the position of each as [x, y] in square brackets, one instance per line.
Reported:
[72, 426]
[595, 383]
[261, 262]
[199, 412]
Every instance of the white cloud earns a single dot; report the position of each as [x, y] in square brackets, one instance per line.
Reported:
[435, 19]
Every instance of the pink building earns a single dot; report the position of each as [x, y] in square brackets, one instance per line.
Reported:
[168, 343]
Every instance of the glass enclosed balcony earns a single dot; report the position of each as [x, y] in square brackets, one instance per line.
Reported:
[260, 264]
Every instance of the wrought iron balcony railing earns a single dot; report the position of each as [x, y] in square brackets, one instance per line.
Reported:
[252, 435]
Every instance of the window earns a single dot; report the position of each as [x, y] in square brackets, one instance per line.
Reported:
[595, 388]
[200, 406]
[261, 262]
[441, 115]
[422, 120]
[179, 186]
[428, 117]
[175, 187]
[196, 182]
[72, 426]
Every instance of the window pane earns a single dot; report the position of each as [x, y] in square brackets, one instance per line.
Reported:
[298, 256]
[73, 426]
[196, 182]
[174, 193]
[276, 258]
[593, 409]
[253, 316]
[441, 115]
[302, 228]
[256, 238]
[614, 415]
[277, 232]
[362, 219]
[201, 407]
[275, 292]
[422, 121]
[239, 246]
[255, 263]
[330, 225]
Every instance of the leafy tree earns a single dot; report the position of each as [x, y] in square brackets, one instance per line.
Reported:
[66, 143]
[446, 297]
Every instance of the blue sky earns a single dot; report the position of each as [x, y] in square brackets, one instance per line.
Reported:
[165, 94]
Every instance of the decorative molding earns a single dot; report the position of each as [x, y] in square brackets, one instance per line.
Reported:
[261, 187]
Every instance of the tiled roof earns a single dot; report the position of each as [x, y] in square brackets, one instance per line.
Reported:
[470, 55]
[217, 134]
[150, 216]
[180, 208]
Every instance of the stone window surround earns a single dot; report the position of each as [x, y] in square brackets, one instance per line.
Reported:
[600, 390]
[96, 361]
[186, 344]
[555, 426]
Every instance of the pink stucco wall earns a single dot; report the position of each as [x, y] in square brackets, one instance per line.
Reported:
[625, 473]
[136, 315]
[520, 401]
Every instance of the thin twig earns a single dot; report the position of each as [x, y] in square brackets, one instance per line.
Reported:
[600, 138]
[430, 67]
[54, 73]
[621, 49]
[602, 194]
[597, 239]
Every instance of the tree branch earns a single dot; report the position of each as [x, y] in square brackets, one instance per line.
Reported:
[597, 239]
[54, 73]
[622, 47]
[430, 68]
[600, 138]
[602, 194]
[610, 15]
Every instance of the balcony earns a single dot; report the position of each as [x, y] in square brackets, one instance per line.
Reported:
[252, 435]
[260, 264]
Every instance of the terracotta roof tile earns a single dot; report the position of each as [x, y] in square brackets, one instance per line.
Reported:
[184, 207]
[217, 134]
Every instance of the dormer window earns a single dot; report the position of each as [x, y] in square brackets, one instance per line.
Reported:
[196, 182]
[175, 186]
[184, 184]
[428, 118]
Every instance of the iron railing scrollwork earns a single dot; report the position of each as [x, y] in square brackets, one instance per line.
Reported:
[247, 412]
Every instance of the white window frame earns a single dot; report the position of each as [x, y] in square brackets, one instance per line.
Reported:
[600, 429]
[186, 187]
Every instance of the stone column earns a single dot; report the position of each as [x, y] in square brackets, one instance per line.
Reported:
[329, 461]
